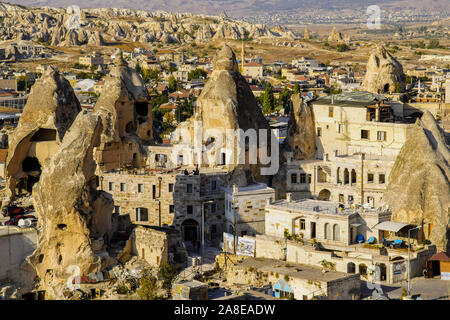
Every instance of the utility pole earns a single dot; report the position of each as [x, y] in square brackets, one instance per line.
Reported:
[234, 234]
[409, 258]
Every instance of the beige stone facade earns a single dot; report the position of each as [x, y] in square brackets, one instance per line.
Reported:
[246, 206]
[170, 199]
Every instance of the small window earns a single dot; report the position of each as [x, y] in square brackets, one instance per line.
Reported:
[190, 209]
[130, 146]
[370, 178]
[302, 177]
[142, 214]
[302, 224]
[293, 178]
[381, 135]
[140, 188]
[123, 187]
[111, 186]
[364, 134]
[170, 187]
[340, 128]
[309, 178]
[382, 179]
[330, 112]
[319, 132]
[189, 188]
[171, 208]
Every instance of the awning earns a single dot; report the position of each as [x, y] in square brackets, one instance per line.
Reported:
[390, 226]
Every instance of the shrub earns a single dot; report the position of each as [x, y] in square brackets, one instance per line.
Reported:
[148, 286]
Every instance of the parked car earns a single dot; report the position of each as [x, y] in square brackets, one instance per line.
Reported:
[11, 211]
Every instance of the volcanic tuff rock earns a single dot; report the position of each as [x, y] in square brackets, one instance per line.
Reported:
[70, 209]
[227, 103]
[418, 191]
[335, 36]
[50, 111]
[383, 73]
[97, 25]
[301, 132]
[126, 116]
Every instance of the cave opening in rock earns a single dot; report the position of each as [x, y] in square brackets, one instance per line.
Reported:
[44, 135]
[141, 108]
[32, 168]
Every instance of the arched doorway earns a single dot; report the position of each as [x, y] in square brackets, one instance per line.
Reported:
[351, 268]
[353, 176]
[190, 230]
[324, 195]
[381, 271]
[346, 176]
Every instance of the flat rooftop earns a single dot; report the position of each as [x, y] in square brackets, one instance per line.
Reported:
[253, 188]
[294, 270]
[312, 206]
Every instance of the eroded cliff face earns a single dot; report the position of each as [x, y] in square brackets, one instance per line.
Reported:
[301, 131]
[50, 111]
[383, 73]
[127, 119]
[226, 105]
[70, 210]
[418, 191]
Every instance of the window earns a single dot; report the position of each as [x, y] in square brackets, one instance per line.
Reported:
[340, 128]
[140, 188]
[130, 146]
[116, 209]
[154, 191]
[302, 224]
[302, 177]
[142, 214]
[364, 134]
[213, 185]
[189, 188]
[293, 178]
[111, 186]
[171, 208]
[330, 112]
[190, 209]
[381, 178]
[370, 178]
[381, 135]
[309, 178]
[170, 187]
[213, 208]
[123, 187]
[319, 132]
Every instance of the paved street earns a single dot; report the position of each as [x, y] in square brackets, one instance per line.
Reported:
[428, 289]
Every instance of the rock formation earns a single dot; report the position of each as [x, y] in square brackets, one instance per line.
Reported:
[301, 131]
[227, 103]
[383, 73]
[418, 191]
[50, 110]
[72, 213]
[127, 119]
[335, 36]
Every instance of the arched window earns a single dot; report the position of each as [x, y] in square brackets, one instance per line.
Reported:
[338, 175]
[336, 232]
[327, 231]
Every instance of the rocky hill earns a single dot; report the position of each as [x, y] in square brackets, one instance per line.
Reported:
[97, 27]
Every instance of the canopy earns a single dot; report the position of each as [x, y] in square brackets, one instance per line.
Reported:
[390, 226]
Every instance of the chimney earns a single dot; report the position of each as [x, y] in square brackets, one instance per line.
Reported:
[288, 197]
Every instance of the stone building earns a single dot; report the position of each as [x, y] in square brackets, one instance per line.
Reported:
[245, 206]
[170, 199]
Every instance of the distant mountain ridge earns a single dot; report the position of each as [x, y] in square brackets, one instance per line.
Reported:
[234, 7]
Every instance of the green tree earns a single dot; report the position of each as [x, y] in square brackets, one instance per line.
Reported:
[342, 47]
[285, 100]
[433, 44]
[268, 100]
[172, 83]
[296, 88]
[148, 286]
[197, 74]
[167, 273]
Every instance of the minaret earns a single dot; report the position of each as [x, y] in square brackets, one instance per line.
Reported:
[242, 57]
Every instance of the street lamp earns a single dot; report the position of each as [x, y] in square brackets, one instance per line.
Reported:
[203, 225]
[409, 258]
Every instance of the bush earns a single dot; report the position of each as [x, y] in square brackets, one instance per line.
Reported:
[342, 47]
[148, 286]
[167, 273]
